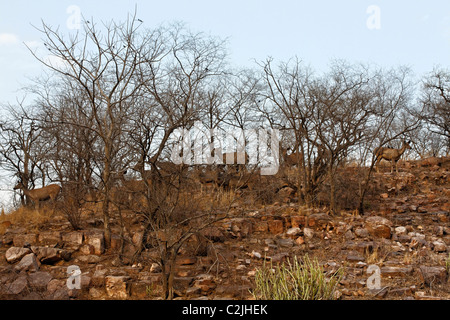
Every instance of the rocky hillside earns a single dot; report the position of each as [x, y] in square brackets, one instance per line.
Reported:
[405, 234]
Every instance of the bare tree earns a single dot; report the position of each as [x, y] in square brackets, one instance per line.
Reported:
[103, 64]
[19, 152]
[435, 100]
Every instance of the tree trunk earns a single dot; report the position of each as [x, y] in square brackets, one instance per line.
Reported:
[332, 189]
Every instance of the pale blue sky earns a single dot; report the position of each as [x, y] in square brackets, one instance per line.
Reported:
[414, 34]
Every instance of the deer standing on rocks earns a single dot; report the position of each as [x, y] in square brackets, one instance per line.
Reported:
[41, 194]
[390, 154]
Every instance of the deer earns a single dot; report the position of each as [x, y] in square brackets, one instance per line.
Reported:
[41, 194]
[390, 154]
[290, 160]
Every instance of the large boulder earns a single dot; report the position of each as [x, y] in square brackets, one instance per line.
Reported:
[379, 227]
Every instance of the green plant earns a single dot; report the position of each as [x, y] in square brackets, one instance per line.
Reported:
[296, 280]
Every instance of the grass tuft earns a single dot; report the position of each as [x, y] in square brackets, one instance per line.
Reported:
[296, 280]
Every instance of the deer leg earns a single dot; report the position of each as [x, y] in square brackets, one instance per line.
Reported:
[377, 163]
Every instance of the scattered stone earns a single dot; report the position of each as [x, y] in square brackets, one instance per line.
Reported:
[379, 227]
[97, 240]
[309, 233]
[72, 240]
[49, 238]
[256, 255]
[392, 271]
[355, 256]
[298, 221]
[155, 268]
[205, 282]
[362, 232]
[22, 240]
[214, 234]
[433, 275]
[117, 287]
[439, 246]
[349, 235]
[276, 226]
[400, 230]
[285, 243]
[28, 263]
[47, 255]
[18, 285]
[241, 227]
[294, 232]
[15, 254]
[39, 279]
[319, 220]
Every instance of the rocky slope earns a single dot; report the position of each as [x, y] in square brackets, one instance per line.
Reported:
[406, 237]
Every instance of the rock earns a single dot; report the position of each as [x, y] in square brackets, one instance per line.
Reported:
[349, 235]
[279, 257]
[439, 246]
[261, 226]
[15, 254]
[96, 293]
[49, 238]
[55, 284]
[117, 287]
[361, 232]
[47, 255]
[433, 275]
[298, 221]
[319, 220]
[98, 278]
[18, 285]
[392, 271]
[155, 268]
[256, 255]
[379, 227]
[276, 226]
[205, 282]
[439, 231]
[355, 256]
[214, 234]
[400, 230]
[91, 259]
[97, 240]
[241, 227]
[185, 261]
[72, 240]
[39, 279]
[285, 243]
[294, 232]
[28, 263]
[21, 240]
[308, 233]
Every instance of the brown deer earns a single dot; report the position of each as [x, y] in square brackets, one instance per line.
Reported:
[41, 194]
[292, 159]
[390, 154]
